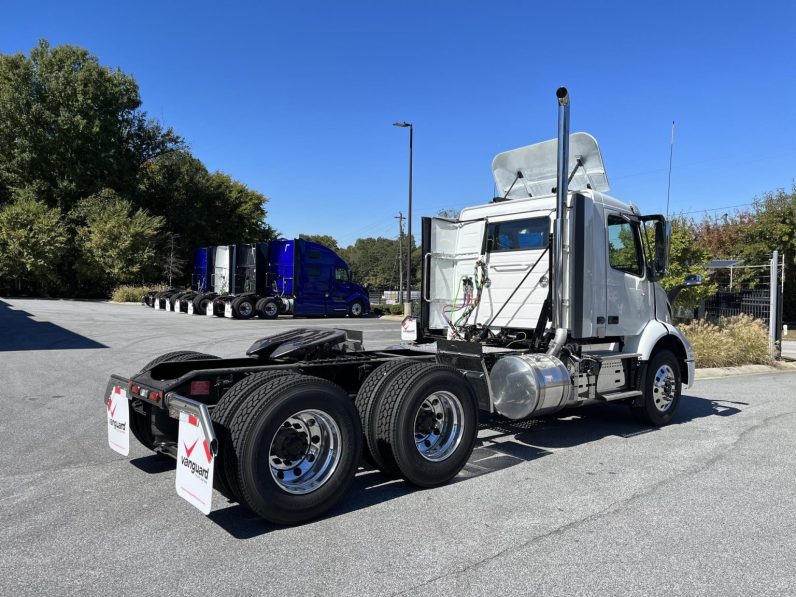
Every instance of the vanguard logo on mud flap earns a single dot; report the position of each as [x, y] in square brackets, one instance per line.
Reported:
[195, 468]
[194, 481]
[117, 425]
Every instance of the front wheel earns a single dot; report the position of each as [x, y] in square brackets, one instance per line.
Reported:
[356, 309]
[661, 389]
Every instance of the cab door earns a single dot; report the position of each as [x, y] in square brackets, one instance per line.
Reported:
[629, 300]
[337, 301]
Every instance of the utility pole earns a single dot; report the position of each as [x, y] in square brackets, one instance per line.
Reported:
[400, 218]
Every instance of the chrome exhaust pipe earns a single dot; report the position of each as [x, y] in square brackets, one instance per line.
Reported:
[562, 184]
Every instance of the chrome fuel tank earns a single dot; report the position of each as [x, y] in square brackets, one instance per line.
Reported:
[530, 384]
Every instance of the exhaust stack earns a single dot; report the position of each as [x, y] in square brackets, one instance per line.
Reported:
[562, 176]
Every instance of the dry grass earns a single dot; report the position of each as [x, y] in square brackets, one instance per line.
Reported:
[133, 294]
[739, 340]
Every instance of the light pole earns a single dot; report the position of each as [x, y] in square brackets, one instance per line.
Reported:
[408, 298]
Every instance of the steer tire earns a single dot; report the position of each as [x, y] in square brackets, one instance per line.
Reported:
[407, 403]
[261, 430]
[226, 459]
[356, 309]
[657, 407]
[366, 403]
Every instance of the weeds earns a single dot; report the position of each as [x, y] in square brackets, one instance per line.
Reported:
[133, 294]
[738, 340]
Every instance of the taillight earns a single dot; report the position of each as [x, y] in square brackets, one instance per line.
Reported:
[155, 395]
[136, 389]
[200, 388]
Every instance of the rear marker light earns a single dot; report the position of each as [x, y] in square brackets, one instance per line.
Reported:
[200, 388]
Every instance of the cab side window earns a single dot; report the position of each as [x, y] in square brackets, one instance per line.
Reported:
[624, 249]
[341, 274]
[518, 235]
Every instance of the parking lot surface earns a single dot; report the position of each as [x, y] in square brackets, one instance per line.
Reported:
[585, 503]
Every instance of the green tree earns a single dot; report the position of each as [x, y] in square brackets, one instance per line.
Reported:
[686, 256]
[71, 127]
[323, 239]
[116, 243]
[32, 244]
[775, 229]
[203, 208]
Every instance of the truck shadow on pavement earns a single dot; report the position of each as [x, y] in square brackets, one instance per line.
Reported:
[22, 332]
[501, 444]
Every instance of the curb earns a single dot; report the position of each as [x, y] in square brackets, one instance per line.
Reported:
[720, 372]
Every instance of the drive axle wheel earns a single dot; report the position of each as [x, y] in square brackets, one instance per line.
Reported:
[141, 424]
[662, 385]
[201, 302]
[243, 308]
[427, 423]
[367, 401]
[305, 451]
[223, 413]
[269, 309]
[297, 441]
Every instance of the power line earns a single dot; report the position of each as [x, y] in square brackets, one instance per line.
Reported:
[699, 211]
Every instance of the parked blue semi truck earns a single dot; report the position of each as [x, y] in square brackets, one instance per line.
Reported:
[268, 279]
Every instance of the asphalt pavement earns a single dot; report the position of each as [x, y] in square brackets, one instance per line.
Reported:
[585, 503]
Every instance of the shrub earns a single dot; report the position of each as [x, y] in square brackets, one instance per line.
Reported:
[738, 340]
[133, 294]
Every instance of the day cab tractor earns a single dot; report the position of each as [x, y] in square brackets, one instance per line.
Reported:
[545, 298]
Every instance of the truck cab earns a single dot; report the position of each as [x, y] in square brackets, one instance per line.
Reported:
[496, 279]
[324, 280]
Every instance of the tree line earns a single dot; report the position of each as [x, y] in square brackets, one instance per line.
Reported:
[94, 192]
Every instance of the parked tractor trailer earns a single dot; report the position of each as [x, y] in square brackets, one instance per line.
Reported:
[545, 298]
[267, 279]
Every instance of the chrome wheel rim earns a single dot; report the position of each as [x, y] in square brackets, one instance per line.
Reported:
[245, 309]
[439, 425]
[270, 309]
[664, 388]
[356, 309]
[305, 451]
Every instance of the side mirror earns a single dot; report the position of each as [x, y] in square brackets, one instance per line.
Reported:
[662, 233]
[693, 280]
[690, 280]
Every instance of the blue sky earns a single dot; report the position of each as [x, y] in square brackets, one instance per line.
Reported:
[296, 99]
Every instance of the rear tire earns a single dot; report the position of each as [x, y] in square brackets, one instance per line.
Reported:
[367, 402]
[269, 309]
[243, 308]
[662, 386]
[226, 459]
[297, 442]
[141, 425]
[177, 355]
[201, 301]
[427, 423]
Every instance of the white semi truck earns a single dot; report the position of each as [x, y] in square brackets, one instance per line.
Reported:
[545, 298]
